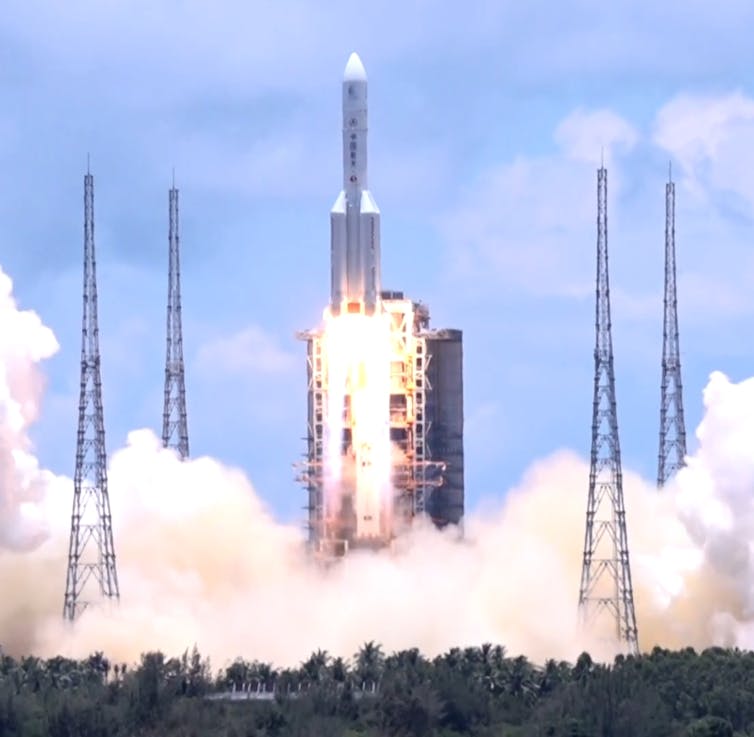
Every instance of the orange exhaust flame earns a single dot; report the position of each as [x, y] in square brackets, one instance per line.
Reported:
[357, 474]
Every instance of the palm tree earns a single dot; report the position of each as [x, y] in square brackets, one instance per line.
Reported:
[522, 679]
[265, 676]
[237, 674]
[584, 667]
[34, 672]
[411, 659]
[369, 665]
[288, 681]
[452, 658]
[339, 670]
[314, 670]
[98, 666]
[59, 670]
[555, 674]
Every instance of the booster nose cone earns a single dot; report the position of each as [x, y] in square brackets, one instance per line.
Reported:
[355, 71]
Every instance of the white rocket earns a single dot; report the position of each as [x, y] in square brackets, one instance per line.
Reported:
[355, 218]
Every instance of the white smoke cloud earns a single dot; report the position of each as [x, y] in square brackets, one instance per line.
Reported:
[201, 560]
[715, 504]
[24, 341]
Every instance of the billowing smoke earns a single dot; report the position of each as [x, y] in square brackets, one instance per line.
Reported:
[201, 560]
[24, 341]
[713, 582]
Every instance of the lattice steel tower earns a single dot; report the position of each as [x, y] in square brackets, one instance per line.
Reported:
[606, 588]
[174, 424]
[91, 553]
[672, 454]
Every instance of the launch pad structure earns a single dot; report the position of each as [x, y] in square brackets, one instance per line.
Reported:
[426, 430]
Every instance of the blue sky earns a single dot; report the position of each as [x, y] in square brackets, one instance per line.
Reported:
[486, 124]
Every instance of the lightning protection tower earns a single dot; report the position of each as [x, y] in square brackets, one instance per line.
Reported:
[174, 424]
[672, 453]
[606, 589]
[91, 553]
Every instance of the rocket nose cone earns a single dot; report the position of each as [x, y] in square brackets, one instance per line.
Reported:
[355, 71]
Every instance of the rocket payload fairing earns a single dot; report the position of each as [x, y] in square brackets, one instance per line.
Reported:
[355, 218]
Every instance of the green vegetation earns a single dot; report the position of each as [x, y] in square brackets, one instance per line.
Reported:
[473, 691]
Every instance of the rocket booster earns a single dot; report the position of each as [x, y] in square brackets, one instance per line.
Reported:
[355, 218]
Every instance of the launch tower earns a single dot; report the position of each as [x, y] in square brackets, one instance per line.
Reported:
[385, 392]
[606, 589]
[672, 453]
[174, 424]
[91, 552]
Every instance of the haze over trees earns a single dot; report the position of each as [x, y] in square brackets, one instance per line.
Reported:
[471, 691]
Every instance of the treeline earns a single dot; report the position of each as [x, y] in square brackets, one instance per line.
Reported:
[471, 691]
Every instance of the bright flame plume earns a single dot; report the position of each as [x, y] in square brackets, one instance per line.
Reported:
[356, 352]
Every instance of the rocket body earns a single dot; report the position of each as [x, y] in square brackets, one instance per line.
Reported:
[355, 218]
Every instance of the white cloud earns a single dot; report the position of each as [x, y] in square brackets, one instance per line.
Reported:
[286, 163]
[636, 306]
[531, 221]
[528, 225]
[707, 297]
[303, 159]
[586, 135]
[694, 127]
[291, 40]
[250, 350]
[524, 224]
[712, 139]
[243, 47]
